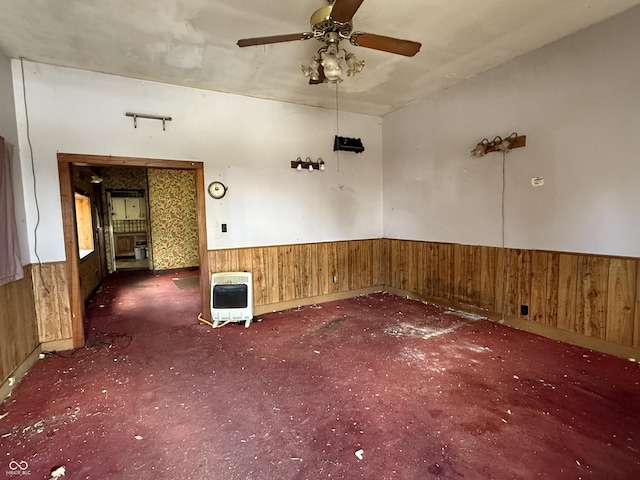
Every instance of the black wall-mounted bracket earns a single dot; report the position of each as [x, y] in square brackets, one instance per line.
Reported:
[348, 144]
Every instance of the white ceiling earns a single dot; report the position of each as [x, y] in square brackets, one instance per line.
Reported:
[193, 42]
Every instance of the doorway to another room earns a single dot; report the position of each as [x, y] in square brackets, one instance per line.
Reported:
[129, 233]
[149, 215]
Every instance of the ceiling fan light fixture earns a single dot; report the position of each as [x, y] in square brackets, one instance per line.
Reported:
[330, 25]
[331, 62]
[354, 65]
[313, 69]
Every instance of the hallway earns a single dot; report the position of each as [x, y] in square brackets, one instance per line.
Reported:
[374, 387]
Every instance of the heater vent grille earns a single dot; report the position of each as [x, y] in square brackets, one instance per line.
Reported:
[231, 297]
[230, 278]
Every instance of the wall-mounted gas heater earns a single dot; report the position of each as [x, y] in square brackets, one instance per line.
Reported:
[231, 298]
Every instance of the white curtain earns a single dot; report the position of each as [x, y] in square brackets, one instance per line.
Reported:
[10, 260]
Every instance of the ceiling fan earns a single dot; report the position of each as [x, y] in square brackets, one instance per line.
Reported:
[330, 25]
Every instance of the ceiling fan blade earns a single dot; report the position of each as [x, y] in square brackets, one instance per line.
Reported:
[320, 79]
[290, 37]
[386, 44]
[344, 10]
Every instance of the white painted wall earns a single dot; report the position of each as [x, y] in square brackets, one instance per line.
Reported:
[9, 130]
[247, 143]
[578, 102]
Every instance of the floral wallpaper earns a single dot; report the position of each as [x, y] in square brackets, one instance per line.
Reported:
[174, 227]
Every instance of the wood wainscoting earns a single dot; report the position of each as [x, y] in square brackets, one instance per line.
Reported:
[590, 300]
[286, 276]
[19, 343]
[90, 275]
[51, 295]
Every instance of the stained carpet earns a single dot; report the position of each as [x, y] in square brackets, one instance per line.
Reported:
[186, 283]
[375, 387]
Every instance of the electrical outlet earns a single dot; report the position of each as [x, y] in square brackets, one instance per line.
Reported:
[524, 310]
[335, 279]
[224, 228]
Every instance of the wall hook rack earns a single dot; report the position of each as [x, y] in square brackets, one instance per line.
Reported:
[136, 116]
[498, 144]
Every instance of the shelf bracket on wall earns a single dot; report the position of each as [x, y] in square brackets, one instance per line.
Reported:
[135, 116]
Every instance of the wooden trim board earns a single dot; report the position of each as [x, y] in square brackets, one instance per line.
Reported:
[573, 338]
[278, 307]
[57, 345]
[19, 372]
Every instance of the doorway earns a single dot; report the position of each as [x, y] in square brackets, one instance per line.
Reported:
[129, 232]
[66, 162]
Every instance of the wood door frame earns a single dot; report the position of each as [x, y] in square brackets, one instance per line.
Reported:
[65, 163]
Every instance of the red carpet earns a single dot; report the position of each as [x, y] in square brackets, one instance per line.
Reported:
[417, 391]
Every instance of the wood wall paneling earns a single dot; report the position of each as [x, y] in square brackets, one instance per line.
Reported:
[588, 295]
[302, 266]
[621, 297]
[636, 322]
[543, 308]
[90, 277]
[353, 259]
[594, 275]
[245, 259]
[467, 274]
[517, 281]
[314, 277]
[51, 294]
[385, 262]
[334, 285]
[342, 264]
[395, 266]
[408, 273]
[491, 278]
[445, 271]
[430, 275]
[291, 272]
[568, 292]
[378, 268]
[322, 265]
[286, 273]
[273, 275]
[18, 323]
[260, 276]
[416, 280]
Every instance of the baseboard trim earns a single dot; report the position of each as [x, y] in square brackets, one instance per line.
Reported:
[18, 373]
[277, 307]
[573, 338]
[57, 345]
[553, 333]
[445, 303]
